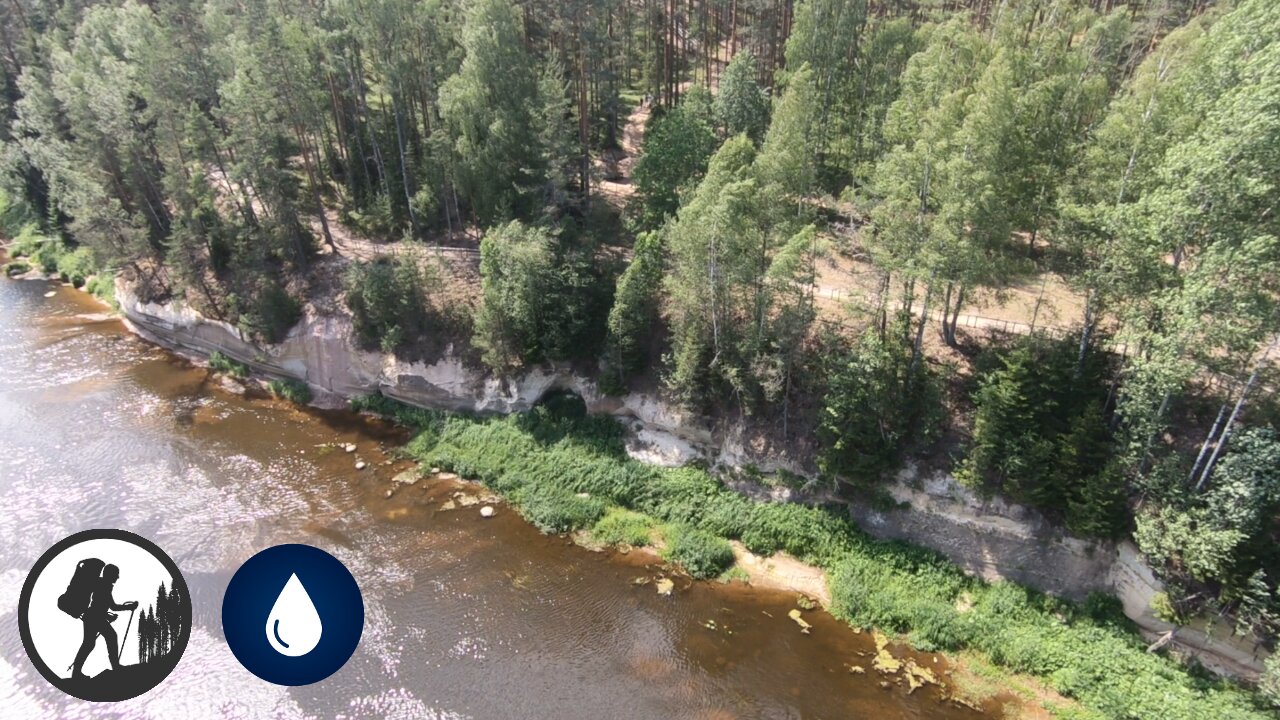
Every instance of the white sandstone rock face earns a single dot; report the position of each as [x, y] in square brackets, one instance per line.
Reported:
[989, 537]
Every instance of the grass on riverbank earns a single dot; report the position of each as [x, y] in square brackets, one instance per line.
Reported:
[1089, 652]
[223, 364]
[295, 391]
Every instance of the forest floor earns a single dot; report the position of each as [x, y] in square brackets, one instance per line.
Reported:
[1040, 300]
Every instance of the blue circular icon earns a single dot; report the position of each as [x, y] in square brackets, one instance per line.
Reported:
[292, 614]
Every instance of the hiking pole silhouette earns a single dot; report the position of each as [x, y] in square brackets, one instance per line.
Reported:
[127, 625]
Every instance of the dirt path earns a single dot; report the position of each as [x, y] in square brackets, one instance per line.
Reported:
[616, 187]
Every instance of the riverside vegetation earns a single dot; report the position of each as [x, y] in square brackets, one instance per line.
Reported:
[566, 471]
[256, 159]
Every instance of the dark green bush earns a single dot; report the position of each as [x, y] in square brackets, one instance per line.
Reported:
[874, 407]
[544, 298]
[1041, 435]
[270, 312]
[103, 285]
[222, 363]
[700, 553]
[295, 391]
[400, 413]
[388, 301]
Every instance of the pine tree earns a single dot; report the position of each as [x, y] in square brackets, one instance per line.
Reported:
[487, 109]
[741, 105]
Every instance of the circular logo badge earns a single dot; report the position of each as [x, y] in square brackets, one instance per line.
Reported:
[292, 614]
[104, 615]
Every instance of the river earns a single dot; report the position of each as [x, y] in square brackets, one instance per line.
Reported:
[465, 617]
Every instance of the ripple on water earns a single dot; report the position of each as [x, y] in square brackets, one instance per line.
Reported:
[396, 704]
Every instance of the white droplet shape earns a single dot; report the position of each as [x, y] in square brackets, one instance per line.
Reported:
[293, 626]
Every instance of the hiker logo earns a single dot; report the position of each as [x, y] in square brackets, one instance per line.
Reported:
[292, 614]
[104, 615]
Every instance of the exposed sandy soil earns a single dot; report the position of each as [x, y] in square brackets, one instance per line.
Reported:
[783, 572]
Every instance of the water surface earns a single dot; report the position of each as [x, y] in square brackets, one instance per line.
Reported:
[465, 618]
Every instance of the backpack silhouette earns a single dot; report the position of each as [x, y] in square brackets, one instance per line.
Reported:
[76, 599]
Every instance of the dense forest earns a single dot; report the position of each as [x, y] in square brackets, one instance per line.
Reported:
[661, 191]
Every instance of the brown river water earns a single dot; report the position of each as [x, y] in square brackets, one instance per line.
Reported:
[465, 618]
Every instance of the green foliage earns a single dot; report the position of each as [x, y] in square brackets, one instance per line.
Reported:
[543, 298]
[270, 313]
[223, 364]
[741, 105]
[677, 147]
[27, 240]
[295, 391]
[714, 247]
[516, 266]
[15, 216]
[1269, 684]
[17, 267]
[623, 527]
[873, 409]
[43, 251]
[103, 285]
[1040, 435]
[424, 421]
[1187, 537]
[76, 266]
[634, 311]
[488, 108]
[555, 510]
[786, 165]
[388, 301]
[1222, 537]
[700, 553]
[1163, 608]
[543, 460]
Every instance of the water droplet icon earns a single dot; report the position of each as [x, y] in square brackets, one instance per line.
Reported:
[293, 626]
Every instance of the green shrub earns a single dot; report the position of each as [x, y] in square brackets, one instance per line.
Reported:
[15, 214]
[700, 553]
[271, 313]
[543, 298]
[17, 267]
[554, 510]
[76, 266]
[388, 301]
[1269, 684]
[407, 415]
[623, 527]
[103, 285]
[634, 311]
[222, 363]
[295, 391]
[874, 407]
[1041, 436]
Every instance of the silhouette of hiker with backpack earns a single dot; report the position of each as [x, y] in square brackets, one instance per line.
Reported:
[88, 598]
